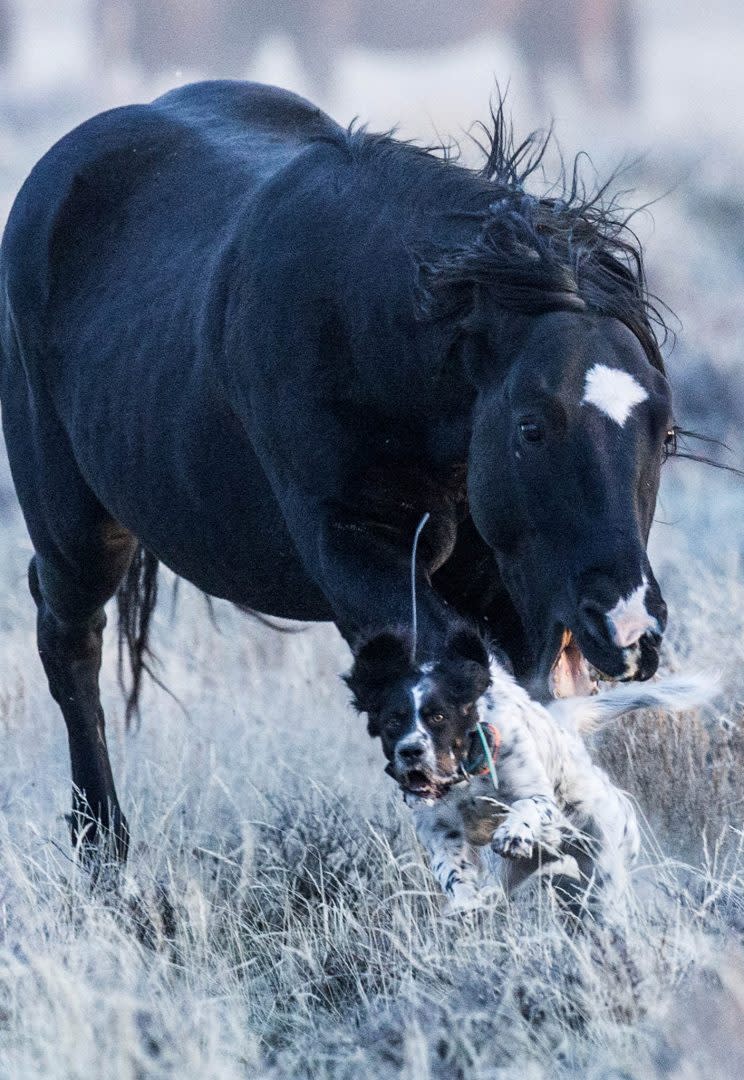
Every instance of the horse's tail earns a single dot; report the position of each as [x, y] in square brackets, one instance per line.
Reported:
[136, 598]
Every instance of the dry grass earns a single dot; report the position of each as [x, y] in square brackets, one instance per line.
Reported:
[277, 918]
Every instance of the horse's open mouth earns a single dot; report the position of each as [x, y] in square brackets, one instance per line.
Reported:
[572, 674]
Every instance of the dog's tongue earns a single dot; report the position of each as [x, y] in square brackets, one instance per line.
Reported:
[570, 675]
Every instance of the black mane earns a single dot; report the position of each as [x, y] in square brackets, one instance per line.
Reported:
[570, 250]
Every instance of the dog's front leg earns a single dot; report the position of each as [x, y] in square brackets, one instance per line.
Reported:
[530, 824]
[454, 862]
[533, 822]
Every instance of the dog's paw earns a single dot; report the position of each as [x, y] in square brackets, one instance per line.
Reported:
[514, 840]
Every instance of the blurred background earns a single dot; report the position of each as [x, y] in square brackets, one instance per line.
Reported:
[641, 71]
[658, 83]
[663, 64]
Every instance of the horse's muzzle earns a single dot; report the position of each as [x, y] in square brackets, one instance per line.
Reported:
[633, 656]
[642, 658]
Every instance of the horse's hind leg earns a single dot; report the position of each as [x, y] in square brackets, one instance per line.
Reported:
[81, 555]
[70, 624]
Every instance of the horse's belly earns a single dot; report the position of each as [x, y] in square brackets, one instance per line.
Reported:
[240, 556]
[196, 496]
[254, 568]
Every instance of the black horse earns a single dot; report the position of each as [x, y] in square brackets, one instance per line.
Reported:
[244, 341]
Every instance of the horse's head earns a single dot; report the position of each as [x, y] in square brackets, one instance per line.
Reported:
[568, 439]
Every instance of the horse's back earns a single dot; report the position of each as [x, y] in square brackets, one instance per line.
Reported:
[193, 156]
[113, 258]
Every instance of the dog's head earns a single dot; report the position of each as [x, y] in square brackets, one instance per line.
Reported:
[424, 712]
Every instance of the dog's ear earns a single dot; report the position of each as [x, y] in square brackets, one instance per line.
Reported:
[467, 663]
[379, 662]
[465, 643]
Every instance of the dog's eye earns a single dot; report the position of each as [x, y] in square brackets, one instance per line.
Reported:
[435, 718]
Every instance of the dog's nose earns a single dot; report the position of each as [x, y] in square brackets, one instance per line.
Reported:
[411, 753]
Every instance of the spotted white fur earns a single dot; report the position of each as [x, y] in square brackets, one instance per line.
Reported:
[613, 392]
[675, 693]
[629, 620]
[552, 798]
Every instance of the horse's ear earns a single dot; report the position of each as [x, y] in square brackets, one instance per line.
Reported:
[468, 662]
[379, 662]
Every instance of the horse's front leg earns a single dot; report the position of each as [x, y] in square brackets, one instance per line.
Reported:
[365, 573]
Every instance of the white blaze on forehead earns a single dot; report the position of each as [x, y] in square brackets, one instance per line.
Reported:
[419, 735]
[417, 693]
[416, 735]
[613, 392]
[629, 620]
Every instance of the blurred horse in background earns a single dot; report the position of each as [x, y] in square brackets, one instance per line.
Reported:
[591, 40]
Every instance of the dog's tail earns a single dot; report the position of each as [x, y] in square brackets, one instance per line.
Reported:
[675, 694]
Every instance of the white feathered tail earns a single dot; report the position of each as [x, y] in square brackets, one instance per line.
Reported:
[675, 694]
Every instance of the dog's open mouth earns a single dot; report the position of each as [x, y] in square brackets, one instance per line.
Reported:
[422, 785]
[571, 673]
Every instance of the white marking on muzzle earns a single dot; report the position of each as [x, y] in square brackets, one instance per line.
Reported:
[613, 392]
[418, 739]
[629, 620]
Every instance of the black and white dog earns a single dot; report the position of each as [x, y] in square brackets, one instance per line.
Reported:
[481, 764]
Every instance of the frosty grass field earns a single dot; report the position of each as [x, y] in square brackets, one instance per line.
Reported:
[278, 917]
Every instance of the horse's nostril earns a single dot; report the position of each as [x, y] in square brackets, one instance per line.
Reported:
[411, 753]
[648, 655]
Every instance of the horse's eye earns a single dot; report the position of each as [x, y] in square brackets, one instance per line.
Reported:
[531, 430]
